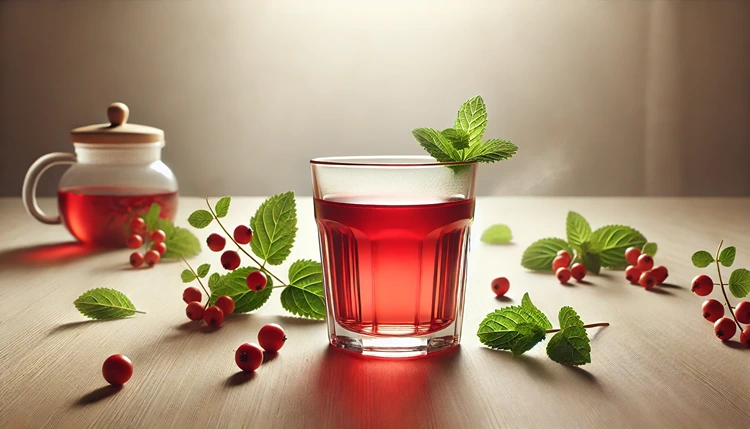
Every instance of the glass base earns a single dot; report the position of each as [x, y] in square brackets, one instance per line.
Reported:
[394, 346]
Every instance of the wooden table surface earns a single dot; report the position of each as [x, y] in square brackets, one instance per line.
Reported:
[658, 364]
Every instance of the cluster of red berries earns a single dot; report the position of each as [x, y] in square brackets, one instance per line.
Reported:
[213, 315]
[713, 311]
[230, 259]
[564, 271]
[155, 241]
[641, 270]
[249, 356]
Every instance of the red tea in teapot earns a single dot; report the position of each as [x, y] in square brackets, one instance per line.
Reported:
[101, 215]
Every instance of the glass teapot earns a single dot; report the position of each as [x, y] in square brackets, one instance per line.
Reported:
[116, 175]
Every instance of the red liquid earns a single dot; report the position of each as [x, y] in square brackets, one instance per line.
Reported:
[102, 215]
[394, 269]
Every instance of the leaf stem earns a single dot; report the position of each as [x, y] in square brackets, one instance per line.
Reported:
[208, 294]
[723, 290]
[590, 325]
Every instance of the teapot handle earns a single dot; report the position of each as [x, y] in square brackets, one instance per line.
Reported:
[32, 179]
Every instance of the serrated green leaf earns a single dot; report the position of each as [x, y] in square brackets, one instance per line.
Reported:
[180, 242]
[490, 151]
[222, 207]
[472, 119]
[203, 270]
[726, 257]
[234, 285]
[458, 138]
[213, 280]
[739, 283]
[570, 346]
[650, 249]
[187, 276]
[529, 335]
[577, 229]
[540, 318]
[568, 317]
[702, 259]
[436, 144]
[497, 234]
[540, 254]
[590, 259]
[304, 295]
[152, 216]
[275, 227]
[200, 219]
[103, 303]
[611, 241]
[500, 329]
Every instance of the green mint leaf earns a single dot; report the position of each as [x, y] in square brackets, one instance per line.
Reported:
[234, 285]
[500, 330]
[213, 280]
[490, 151]
[529, 335]
[200, 219]
[570, 346]
[568, 317]
[472, 119]
[304, 295]
[187, 276]
[577, 228]
[540, 319]
[650, 249]
[611, 241]
[152, 216]
[540, 254]
[458, 138]
[436, 145]
[726, 257]
[203, 270]
[497, 234]
[702, 259]
[589, 258]
[275, 227]
[739, 283]
[222, 207]
[180, 242]
[103, 303]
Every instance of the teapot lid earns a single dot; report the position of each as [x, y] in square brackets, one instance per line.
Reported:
[118, 130]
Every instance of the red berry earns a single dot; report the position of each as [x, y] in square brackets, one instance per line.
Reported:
[745, 337]
[135, 241]
[742, 312]
[632, 254]
[248, 357]
[117, 369]
[647, 280]
[194, 310]
[725, 328]
[562, 274]
[158, 236]
[660, 274]
[138, 226]
[225, 303]
[161, 248]
[136, 259]
[633, 274]
[191, 294]
[560, 262]
[566, 256]
[645, 262]
[152, 257]
[256, 281]
[500, 286]
[578, 271]
[213, 316]
[713, 310]
[216, 242]
[243, 234]
[230, 260]
[702, 285]
[271, 337]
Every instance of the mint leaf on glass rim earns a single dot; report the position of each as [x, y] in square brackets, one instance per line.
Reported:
[304, 295]
[458, 138]
[435, 143]
[490, 151]
[497, 234]
[472, 119]
[702, 259]
[540, 254]
[275, 228]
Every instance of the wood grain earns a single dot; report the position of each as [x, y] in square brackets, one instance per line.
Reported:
[657, 365]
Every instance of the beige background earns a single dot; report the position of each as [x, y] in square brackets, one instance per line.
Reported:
[618, 97]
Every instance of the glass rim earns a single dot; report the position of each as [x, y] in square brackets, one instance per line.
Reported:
[385, 161]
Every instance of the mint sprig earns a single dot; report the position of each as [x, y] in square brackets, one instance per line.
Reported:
[180, 242]
[104, 303]
[497, 234]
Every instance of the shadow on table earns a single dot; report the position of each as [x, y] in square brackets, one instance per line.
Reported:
[98, 395]
[735, 345]
[46, 255]
[73, 325]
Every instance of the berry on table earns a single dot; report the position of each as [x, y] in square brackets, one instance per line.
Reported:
[225, 303]
[578, 271]
[191, 293]
[136, 259]
[500, 286]
[271, 337]
[562, 274]
[134, 241]
[645, 262]
[702, 285]
[152, 257]
[158, 236]
[660, 274]
[138, 226]
[633, 274]
[248, 357]
[632, 254]
[713, 310]
[725, 329]
[161, 248]
[230, 260]
[194, 310]
[213, 316]
[745, 337]
[647, 280]
[117, 369]
[566, 255]
[243, 234]
[742, 312]
[560, 262]
[215, 242]
[256, 280]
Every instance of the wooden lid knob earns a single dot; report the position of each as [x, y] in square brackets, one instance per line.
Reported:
[118, 113]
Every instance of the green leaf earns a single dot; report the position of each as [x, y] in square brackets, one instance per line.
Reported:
[275, 227]
[570, 346]
[203, 270]
[187, 276]
[611, 241]
[200, 219]
[540, 254]
[490, 151]
[497, 234]
[234, 285]
[511, 328]
[103, 303]
[529, 335]
[180, 241]
[213, 280]
[436, 145]
[650, 249]
[726, 257]
[152, 216]
[739, 283]
[540, 319]
[568, 317]
[472, 119]
[304, 295]
[458, 138]
[222, 207]
[702, 259]
[577, 228]
[591, 260]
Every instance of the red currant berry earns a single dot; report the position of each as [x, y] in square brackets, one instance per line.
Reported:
[256, 281]
[215, 242]
[271, 337]
[248, 357]
[243, 234]
[225, 303]
[745, 337]
[194, 310]
[500, 286]
[138, 226]
[645, 263]
[713, 310]
[136, 259]
[702, 285]
[564, 254]
[213, 316]
[647, 280]
[152, 257]
[230, 260]
[158, 236]
[632, 254]
[562, 274]
[161, 248]
[742, 312]
[560, 262]
[633, 274]
[578, 271]
[725, 329]
[117, 369]
[135, 241]
[191, 294]
[660, 274]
